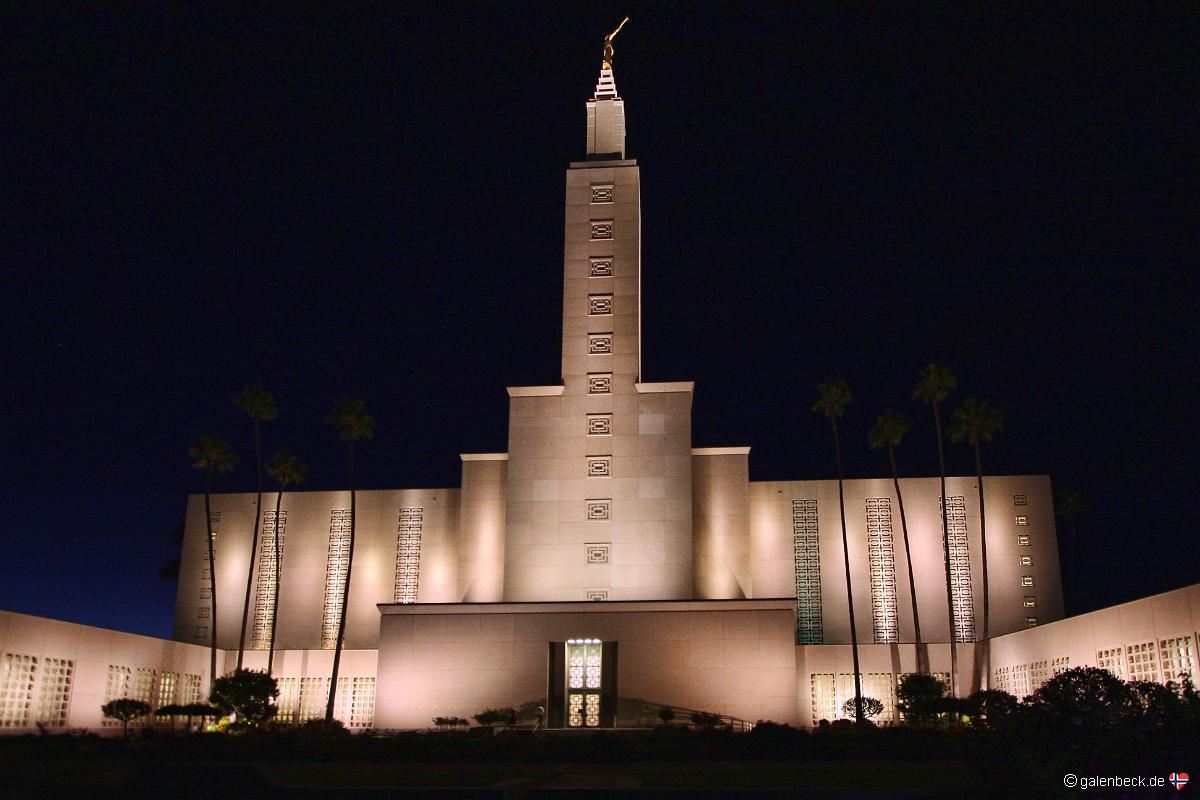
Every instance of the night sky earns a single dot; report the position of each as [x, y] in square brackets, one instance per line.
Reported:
[199, 198]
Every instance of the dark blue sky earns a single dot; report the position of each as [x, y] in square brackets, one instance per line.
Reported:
[201, 198]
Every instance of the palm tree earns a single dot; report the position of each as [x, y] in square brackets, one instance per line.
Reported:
[1070, 505]
[975, 422]
[889, 430]
[350, 416]
[834, 397]
[934, 385]
[287, 470]
[260, 405]
[212, 454]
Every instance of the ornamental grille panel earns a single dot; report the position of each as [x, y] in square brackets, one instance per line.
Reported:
[599, 424]
[1141, 661]
[597, 595]
[600, 305]
[408, 554]
[824, 697]
[189, 691]
[314, 693]
[285, 704]
[118, 684]
[807, 555]
[267, 586]
[600, 268]
[145, 684]
[1020, 681]
[1020, 500]
[54, 692]
[1177, 657]
[599, 467]
[600, 383]
[1113, 660]
[16, 690]
[960, 569]
[598, 510]
[602, 194]
[337, 565]
[600, 343]
[598, 552]
[1039, 673]
[355, 702]
[883, 570]
[1022, 540]
[168, 689]
[829, 695]
[1060, 664]
[602, 230]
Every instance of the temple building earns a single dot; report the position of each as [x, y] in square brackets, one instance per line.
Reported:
[605, 565]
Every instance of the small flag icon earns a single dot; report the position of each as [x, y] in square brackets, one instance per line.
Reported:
[1178, 779]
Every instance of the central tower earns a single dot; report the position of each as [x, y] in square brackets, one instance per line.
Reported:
[599, 483]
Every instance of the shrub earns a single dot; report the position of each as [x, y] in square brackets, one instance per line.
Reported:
[497, 716]
[918, 695]
[450, 722]
[988, 707]
[870, 707]
[705, 720]
[125, 709]
[246, 693]
[667, 715]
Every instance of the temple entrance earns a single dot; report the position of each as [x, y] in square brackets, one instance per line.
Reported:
[584, 668]
[582, 684]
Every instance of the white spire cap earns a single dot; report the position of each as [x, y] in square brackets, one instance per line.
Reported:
[606, 120]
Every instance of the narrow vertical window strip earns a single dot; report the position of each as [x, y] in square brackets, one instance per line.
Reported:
[960, 569]
[883, 570]
[268, 578]
[337, 565]
[408, 554]
[807, 558]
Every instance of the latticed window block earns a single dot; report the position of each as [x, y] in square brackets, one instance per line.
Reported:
[1020, 680]
[824, 697]
[598, 509]
[268, 578]
[1020, 500]
[288, 701]
[600, 305]
[1021, 519]
[600, 343]
[600, 268]
[1027, 581]
[408, 554]
[314, 694]
[807, 559]
[1060, 664]
[599, 424]
[16, 690]
[355, 702]
[1002, 679]
[118, 684]
[168, 689]
[602, 193]
[54, 692]
[600, 467]
[145, 685]
[1113, 660]
[597, 552]
[960, 569]
[600, 383]
[602, 230]
[1025, 561]
[189, 690]
[597, 595]
[1023, 540]
[1039, 673]
[883, 570]
[1178, 657]
[337, 565]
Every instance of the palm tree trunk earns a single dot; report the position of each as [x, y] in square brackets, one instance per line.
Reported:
[858, 709]
[937, 424]
[212, 577]
[922, 666]
[337, 649]
[987, 642]
[253, 542]
[278, 578]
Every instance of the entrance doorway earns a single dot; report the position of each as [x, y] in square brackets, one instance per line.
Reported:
[581, 684]
[584, 668]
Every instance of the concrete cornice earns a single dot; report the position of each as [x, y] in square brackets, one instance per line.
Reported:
[720, 451]
[612, 162]
[588, 606]
[675, 386]
[483, 456]
[535, 391]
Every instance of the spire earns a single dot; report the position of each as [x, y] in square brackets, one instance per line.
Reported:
[606, 110]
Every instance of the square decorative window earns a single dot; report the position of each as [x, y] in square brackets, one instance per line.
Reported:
[1022, 519]
[1027, 580]
[202, 612]
[600, 304]
[599, 425]
[206, 594]
[1030, 601]
[598, 509]
[597, 595]
[201, 631]
[1026, 561]
[599, 467]
[1023, 540]
[602, 230]
[204, 574]
[600, 383]
[1020, 500]
[602, 193]
[599, 343]
[1031, 622]
[601, 267]
[598, 552]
